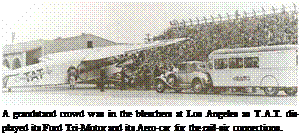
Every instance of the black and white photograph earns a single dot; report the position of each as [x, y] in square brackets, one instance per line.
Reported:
[162, 55]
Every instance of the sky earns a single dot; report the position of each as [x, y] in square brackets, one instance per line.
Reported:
[119, 22]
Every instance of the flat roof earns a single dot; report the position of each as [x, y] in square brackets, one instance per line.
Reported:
[36, 44]
[254, 49]
[22, 47]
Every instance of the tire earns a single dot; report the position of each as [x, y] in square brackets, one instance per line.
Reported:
[197, 86]
[160, 86]
[291, 91]
[269, 85]
[171, 79]
[271, 91]
[82, 76]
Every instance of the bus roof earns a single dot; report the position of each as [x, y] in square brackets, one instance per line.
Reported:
[254, 49]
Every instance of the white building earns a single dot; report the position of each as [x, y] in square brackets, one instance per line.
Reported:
[27, 53]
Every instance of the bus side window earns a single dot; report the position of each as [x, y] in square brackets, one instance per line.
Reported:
[251, 62]
[236, 62]
[220, 63]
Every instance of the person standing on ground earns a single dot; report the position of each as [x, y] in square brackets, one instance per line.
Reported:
[72, 76]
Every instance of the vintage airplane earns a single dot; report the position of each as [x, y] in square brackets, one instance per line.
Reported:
[95, 66]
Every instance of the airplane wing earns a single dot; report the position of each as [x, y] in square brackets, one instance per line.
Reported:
[109, 51]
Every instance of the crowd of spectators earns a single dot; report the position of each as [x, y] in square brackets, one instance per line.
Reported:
[262, 30]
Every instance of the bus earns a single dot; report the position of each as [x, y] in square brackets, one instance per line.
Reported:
[269, 68]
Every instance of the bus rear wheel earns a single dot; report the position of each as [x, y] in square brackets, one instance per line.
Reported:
[291, 91]
[270, 90]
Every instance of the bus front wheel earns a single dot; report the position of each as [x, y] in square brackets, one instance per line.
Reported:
[270, 90]
[270, 85]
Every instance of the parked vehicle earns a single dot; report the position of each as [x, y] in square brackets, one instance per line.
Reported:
[270, 68]
[190, 74]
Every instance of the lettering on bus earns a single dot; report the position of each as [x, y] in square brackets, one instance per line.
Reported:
[241, 78]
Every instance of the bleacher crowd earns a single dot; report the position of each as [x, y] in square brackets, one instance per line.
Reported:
[248, 31]
[262, 30]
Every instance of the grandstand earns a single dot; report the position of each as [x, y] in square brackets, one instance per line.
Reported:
[241, 30]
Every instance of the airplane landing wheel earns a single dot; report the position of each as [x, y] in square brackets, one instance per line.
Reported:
[160, 86]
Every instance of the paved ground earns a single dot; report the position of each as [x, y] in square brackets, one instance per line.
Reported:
[87, 95]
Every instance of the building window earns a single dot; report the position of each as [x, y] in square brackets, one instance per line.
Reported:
[220, 63]
[90, 44]
[16, 63]
[6, 63]
[236, 62]
[251, 62]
